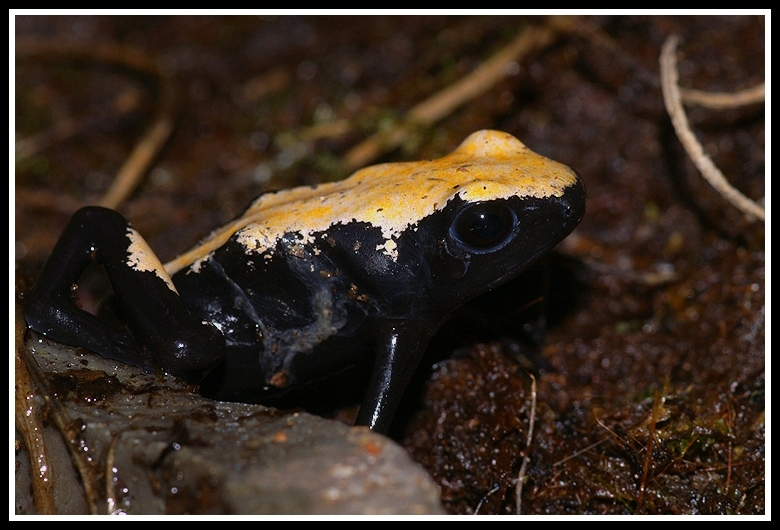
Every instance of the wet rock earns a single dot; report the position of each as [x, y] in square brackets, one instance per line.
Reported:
[153, 446]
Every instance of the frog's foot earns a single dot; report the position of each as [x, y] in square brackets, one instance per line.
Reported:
[194, 349]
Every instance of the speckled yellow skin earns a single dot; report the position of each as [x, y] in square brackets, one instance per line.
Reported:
[393, 197]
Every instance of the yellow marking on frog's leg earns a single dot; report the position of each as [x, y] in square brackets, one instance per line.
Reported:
[142, 258]
[392, 197]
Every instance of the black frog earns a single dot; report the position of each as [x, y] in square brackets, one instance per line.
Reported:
[313, 279]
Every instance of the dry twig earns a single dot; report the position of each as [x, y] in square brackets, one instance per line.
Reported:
[724, 100]
[483, 499]
[148, 147]
[30, 426]
[112, 497]
[444, 102]
[651, 434]
[69, 429]
[708, 169]
[526, 458]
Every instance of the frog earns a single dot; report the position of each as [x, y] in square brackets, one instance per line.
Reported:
[313, 279]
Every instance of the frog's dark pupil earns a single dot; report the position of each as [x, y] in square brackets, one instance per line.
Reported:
[484, 226]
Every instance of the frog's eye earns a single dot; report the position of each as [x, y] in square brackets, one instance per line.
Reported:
[484, 227]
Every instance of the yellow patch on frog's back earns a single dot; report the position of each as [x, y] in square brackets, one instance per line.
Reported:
[488, 165]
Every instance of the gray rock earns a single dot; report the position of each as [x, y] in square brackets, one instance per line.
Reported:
[156, 447]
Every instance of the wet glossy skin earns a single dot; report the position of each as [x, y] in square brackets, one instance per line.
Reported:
[311, 280]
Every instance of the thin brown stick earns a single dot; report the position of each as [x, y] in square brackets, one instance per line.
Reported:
[69, 429]
[445, 101]
[598, 38]
[60, 131]
[484, 498]
[138, 163]
[46, 200]
[584, 449]
[724, 100]
[673, 102]
[110, 475]
[648, 452]
[149, 146]
[30, 426]
[730, 466]
[526, 458]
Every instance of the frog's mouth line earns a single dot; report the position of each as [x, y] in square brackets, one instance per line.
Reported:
[515, 272]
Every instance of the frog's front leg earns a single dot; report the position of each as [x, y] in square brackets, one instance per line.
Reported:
[161, 326]
[400, 346]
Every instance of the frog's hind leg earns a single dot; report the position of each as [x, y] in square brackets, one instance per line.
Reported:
[161, 326]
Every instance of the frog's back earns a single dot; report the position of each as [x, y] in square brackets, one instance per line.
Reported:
[488, 165]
